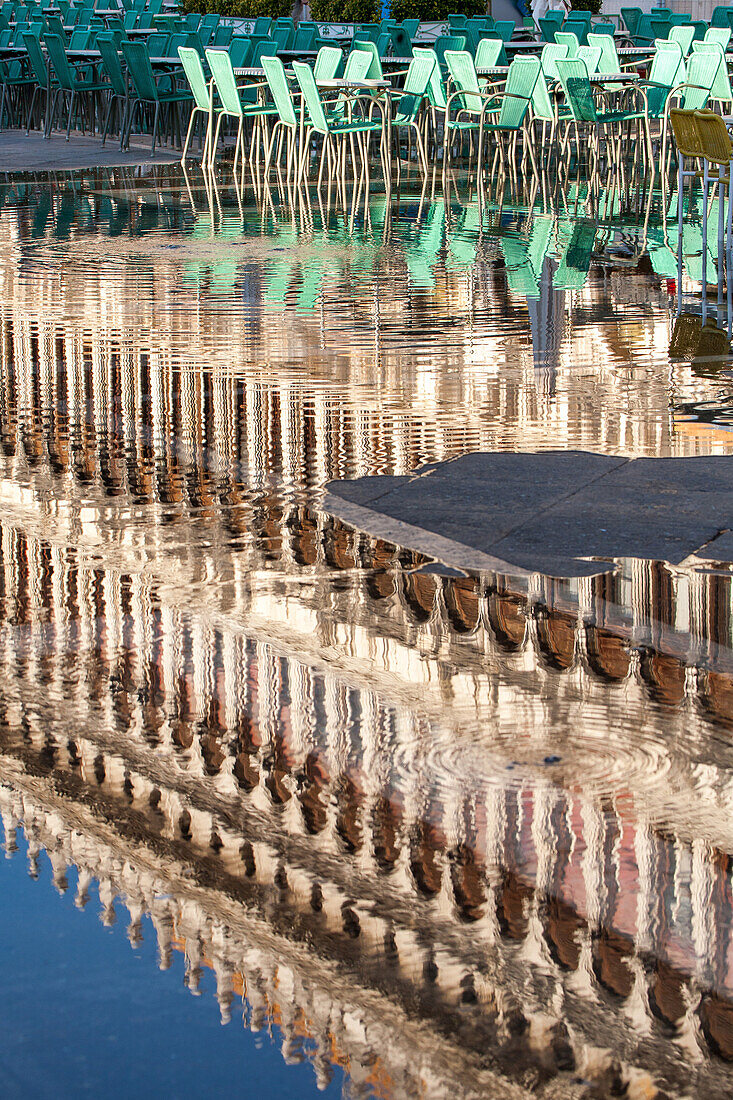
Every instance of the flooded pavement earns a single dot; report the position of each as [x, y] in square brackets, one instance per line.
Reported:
[422, 834]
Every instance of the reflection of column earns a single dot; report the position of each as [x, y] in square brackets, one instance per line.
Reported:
[547, 316]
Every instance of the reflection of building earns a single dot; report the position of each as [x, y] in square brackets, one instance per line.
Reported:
[426, 819]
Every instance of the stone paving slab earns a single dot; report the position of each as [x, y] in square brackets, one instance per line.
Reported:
[21, 152]
[550, 511]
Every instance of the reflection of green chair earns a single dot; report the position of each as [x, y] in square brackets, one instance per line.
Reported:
[421, 256]
[463, 240]
[576, 257]
[525, 257]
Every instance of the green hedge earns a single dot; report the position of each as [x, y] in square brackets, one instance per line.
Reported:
[346, 11]
[435, 11]
[587, 5]
[240, 9]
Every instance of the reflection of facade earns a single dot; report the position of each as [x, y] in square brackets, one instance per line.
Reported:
[422, 819]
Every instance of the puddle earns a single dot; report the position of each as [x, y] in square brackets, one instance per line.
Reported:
[423, 833]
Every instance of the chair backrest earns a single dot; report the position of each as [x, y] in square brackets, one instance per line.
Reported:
[111, 63]
[224, 81]
[412, 26]
[609, 60]
[415, 87]
[156, 44]
[59, 61]
[195, 76]
[721, 86]
[578, 92]
[552, 52]
[604, 28]
[454, 42]
[263, 48]
[175, 41]
[683, 35]
[721, 35]
[304, 38]
[567, 38]
[80, 38]
[591, 55]
[55, 26]
[311, 98]
[521, 80]
[327, 63]
[667, 64]
[578, 27]
[283, 37]
[384, 42]
[436, 89]
[401, 42]
[223, 36]
[701, 72]
[358, 64]
[375, 67]
[462, 72]
[542, 106]
[36, 58]
[263, 24]
[719, 18]
[488, 53]
[278, 83]
[240, 50]
[138, 64]
[505, 29]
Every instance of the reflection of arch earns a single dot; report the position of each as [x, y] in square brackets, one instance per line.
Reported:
[664, 676]
[717, 1024]
[385, 824]
[507, 618]
[425, 843]
[607, 654]
[467, 885]
[717, 696]
[314, 811]
[666, 997]
[381, 581]
[337, 547]
[461, 599]
[305, 538]
[511, 899]
[610, 952]
[420, 594]
[556, 636]
[562, 925]
[347, 818]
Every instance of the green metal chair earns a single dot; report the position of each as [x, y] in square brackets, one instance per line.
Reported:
[551, 54]
[202, 105]
[719, 35]
[233, 107]
[437, 96]
[567, 38]
[481, 113]
[591, 55]
[448, 42]
[720, 90]
[287, 117]
[318, 122]
[147, 91]
[374, 72]
[44, 79]
[684, 36]
[490, 54]
[118, 86]
[328, 63]
[70, 84]
[581, 102]
[407, 104]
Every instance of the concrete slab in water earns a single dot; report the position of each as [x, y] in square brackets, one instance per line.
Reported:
[550, 511]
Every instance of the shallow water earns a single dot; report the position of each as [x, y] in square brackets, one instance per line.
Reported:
[422, 834]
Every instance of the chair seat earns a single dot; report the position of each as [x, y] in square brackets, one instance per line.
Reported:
[361, 126]
[619, 116]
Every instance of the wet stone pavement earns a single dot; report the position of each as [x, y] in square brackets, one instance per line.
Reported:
[410, 830]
